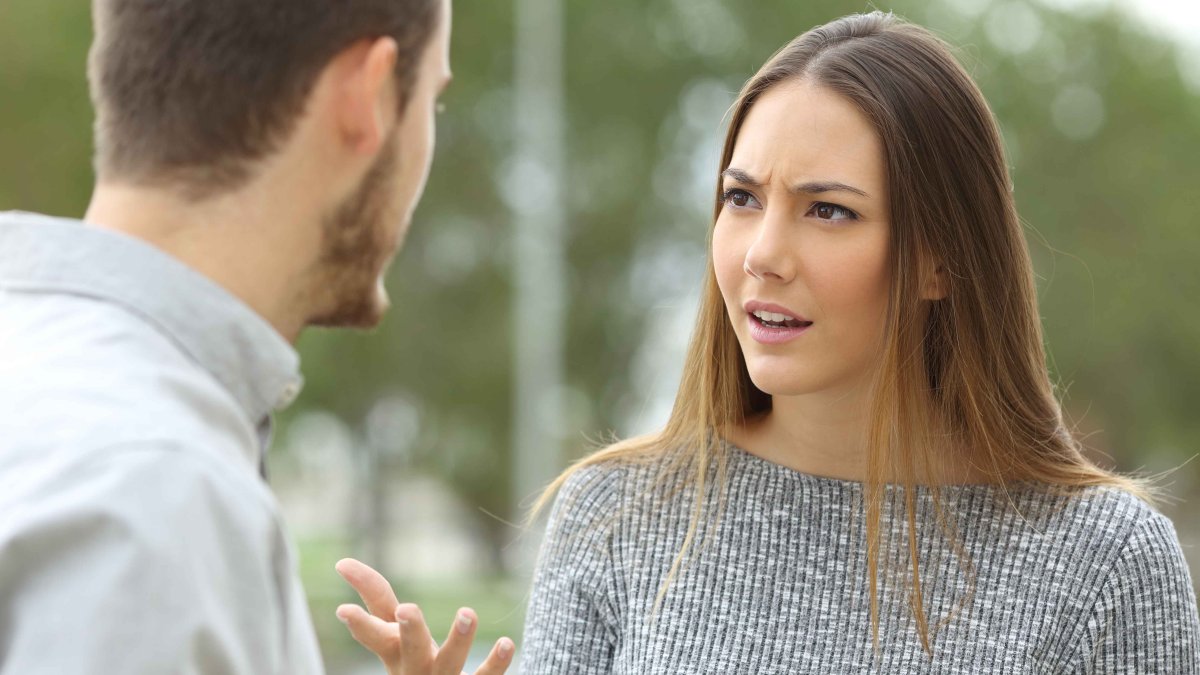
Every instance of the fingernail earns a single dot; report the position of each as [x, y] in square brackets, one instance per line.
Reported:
[506, 649]
[408, 613]
[343, 619]
[464, 623]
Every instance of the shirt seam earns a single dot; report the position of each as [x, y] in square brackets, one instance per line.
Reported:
[1077, 655]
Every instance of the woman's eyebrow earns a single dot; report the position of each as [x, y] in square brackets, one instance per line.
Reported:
[741, 177]
[810, 187]
[817, 187]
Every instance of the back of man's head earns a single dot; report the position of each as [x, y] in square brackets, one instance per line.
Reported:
[191, 93]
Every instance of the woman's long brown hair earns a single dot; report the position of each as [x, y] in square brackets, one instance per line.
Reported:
[971, 370]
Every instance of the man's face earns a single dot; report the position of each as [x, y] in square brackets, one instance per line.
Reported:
[365, 231]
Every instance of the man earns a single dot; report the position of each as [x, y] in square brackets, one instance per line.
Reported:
[258, 164]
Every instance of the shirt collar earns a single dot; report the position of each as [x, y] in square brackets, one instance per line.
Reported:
[212, 326]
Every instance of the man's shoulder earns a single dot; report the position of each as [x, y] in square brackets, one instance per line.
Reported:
[82, 378]
[151, 481]
[10, 221]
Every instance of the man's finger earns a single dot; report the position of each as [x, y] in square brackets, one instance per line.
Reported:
[381, 637]
[417, 647]
[453, 655]
[375, 591]
[499, 659]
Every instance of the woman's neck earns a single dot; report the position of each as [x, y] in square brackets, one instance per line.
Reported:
[828, 436]
[809, 437]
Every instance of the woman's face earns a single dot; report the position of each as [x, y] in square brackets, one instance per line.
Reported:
[800, 246]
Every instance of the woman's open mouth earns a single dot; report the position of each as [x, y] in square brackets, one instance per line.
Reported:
[774, 320]
[775, 328]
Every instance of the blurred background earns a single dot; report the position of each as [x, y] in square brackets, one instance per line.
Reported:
[544, 299]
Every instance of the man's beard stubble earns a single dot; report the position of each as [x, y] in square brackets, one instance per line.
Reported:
[355, 247]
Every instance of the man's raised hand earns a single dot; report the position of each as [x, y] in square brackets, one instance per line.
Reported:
[398, 635]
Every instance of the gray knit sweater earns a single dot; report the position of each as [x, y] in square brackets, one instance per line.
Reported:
[1092, 583]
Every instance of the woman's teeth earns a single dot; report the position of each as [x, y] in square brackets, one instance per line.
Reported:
[771, 316]
[776, 320]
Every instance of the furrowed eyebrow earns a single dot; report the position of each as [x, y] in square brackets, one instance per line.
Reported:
[818, 187]
[740, 176]
[811, 187]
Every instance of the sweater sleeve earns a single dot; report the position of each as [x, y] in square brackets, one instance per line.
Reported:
[1145, 619]
[571, 625]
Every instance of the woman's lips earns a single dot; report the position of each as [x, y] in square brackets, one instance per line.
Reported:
[758, 306]
[770, 335]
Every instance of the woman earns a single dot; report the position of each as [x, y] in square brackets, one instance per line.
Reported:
[866, 468]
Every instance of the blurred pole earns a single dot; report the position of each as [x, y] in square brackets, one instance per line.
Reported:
[376, 516]
[539, 210]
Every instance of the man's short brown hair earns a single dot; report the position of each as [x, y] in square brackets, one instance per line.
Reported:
[193, 92]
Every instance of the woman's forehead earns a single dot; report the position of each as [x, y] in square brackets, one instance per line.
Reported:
[799, 131]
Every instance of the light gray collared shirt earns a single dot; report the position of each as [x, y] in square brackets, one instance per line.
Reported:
[136, 533]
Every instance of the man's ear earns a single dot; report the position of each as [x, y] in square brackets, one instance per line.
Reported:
[366, 93]
[934, 279]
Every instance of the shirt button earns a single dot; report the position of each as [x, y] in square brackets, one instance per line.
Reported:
[289, 394]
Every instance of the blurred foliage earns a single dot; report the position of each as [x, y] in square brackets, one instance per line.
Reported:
[1102, 132]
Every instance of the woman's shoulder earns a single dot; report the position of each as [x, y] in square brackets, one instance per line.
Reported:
[594, 499]
[618, 484]
[608, 479]
[1105, 510]
[1119, 563]
[591, 484]
[623, 464]
[1138, 527]
[1102, 527]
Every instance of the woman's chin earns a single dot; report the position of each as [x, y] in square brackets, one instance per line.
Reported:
[775, 383]
[776, 376]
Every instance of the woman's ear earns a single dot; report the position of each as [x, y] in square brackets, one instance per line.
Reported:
[934, 279]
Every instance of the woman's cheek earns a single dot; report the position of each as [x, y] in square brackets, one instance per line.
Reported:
[855, 287]
[727, 261]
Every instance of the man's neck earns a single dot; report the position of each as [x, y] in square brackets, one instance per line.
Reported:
[233, 241]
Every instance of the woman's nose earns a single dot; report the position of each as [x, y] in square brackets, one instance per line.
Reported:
[769, 257]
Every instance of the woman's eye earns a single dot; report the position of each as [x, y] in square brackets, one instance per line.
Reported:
[739, 198]
[826, 211]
